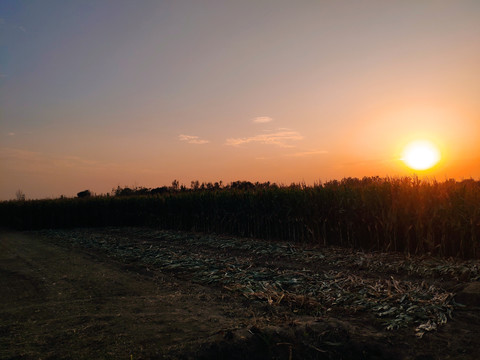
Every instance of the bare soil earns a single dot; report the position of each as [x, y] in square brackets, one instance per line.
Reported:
[138, 293]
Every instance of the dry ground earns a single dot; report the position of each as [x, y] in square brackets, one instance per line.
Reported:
[146, 294]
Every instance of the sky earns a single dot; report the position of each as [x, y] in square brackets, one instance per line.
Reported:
[107, 93]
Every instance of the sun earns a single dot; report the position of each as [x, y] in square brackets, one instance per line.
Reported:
[420, 155]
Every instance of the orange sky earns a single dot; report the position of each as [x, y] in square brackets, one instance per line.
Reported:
[97, 95]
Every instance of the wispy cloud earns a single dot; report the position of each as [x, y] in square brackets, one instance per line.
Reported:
[308, 153]
[21, 28]
[279, 137]
[11, 134]
[18, 154]
[371, 161]
[192, 139]
[31, 161]
[262, 119]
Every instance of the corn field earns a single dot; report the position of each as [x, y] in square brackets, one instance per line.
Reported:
[382, 214]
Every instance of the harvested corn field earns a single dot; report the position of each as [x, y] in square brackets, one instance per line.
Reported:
[148, 293]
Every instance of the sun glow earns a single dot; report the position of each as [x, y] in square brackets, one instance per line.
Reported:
[421, 155]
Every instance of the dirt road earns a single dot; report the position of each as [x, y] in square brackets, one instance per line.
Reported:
[62, 303]
[137, 294]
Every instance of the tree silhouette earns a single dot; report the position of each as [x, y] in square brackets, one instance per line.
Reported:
[84, 194]
[20, 195]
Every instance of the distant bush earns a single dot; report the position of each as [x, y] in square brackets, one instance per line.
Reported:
[388, 214]
[84, 194]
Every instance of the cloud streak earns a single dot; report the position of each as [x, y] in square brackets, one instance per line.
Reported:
[279, 138]
[36, 162]
[191, 139]
[308, 153]
[262, 119]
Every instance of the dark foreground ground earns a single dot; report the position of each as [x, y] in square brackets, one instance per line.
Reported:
[139, 293]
